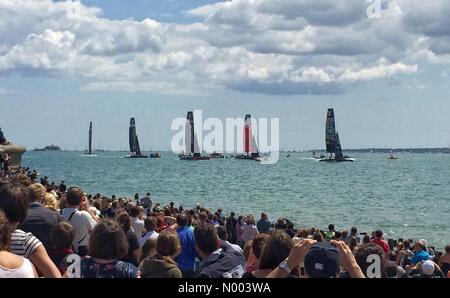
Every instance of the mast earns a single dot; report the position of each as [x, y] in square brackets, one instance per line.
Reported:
[132, 135]
[90, 138]
[247, 133]
[330, 132]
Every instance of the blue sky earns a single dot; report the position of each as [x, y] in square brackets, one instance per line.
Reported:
[387, 79]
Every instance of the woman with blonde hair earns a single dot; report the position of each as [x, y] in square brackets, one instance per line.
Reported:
[50, 201]
[250, 231]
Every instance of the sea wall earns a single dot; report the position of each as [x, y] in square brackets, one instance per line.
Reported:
[15, 153]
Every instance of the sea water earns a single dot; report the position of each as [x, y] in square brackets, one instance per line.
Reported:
[408, 197]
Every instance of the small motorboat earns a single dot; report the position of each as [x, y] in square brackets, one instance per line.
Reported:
[155, 155]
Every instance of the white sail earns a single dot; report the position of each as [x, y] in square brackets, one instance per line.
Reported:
[196, 146]
[254, 146]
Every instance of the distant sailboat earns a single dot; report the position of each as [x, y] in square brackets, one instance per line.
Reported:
[89, 153]
[192, 150]
[251, 151]
[391, 156]
[332, 141]
[135, 149]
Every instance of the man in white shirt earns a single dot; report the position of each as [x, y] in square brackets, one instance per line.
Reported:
[136, 221]
[223, 235]
[83, 220]
[150, 226]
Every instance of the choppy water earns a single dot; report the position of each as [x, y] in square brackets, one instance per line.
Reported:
[408, 197]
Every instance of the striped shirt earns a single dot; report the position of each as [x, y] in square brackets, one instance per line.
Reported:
[24, 244]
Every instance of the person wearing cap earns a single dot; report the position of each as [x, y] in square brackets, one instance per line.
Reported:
[298, 254]
[322, 261]
[420, 252]
[426, 269]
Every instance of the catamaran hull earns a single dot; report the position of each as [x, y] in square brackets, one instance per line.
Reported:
[194, 158]
[336, 160]
[216, 156]
[247, 157]
[136, 156]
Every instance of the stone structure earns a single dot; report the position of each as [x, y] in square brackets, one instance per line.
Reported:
[14, 151]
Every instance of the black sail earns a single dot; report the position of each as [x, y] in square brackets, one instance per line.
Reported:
[132, 136]
[90, 138]
[330, 132]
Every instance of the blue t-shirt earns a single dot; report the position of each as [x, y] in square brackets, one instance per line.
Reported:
[186, 259]
[115, 269]
[420, 256]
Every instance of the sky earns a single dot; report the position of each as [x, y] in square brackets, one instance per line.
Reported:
[386, 73]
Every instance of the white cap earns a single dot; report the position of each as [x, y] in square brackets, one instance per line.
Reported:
[428, 267]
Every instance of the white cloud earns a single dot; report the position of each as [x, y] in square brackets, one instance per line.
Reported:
[266, 46]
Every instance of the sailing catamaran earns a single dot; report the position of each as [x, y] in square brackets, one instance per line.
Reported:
[192, 148]
[88, 153]
[135, 150]
[250, 147]
[332, 141]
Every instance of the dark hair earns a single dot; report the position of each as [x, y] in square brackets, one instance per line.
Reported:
[74, 196]
[337, 235]
[123, 219]
[108, 241]
[5, 233]
[366, 239]
[14, 202]
[353, 243]
[263, 216]
[275, 250]
[232, 214]
[378, 233]
[150, 223]
[167, 244]
[354, 230]
[149, 248]
[134, 211]
[62, 235]
[331, 227]
[182, 219]
[447, 248]
[202, 216]
[390, 269]
[318, 236]
[206, 238]
[258, 243]
[364, 251]
[222, 233]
